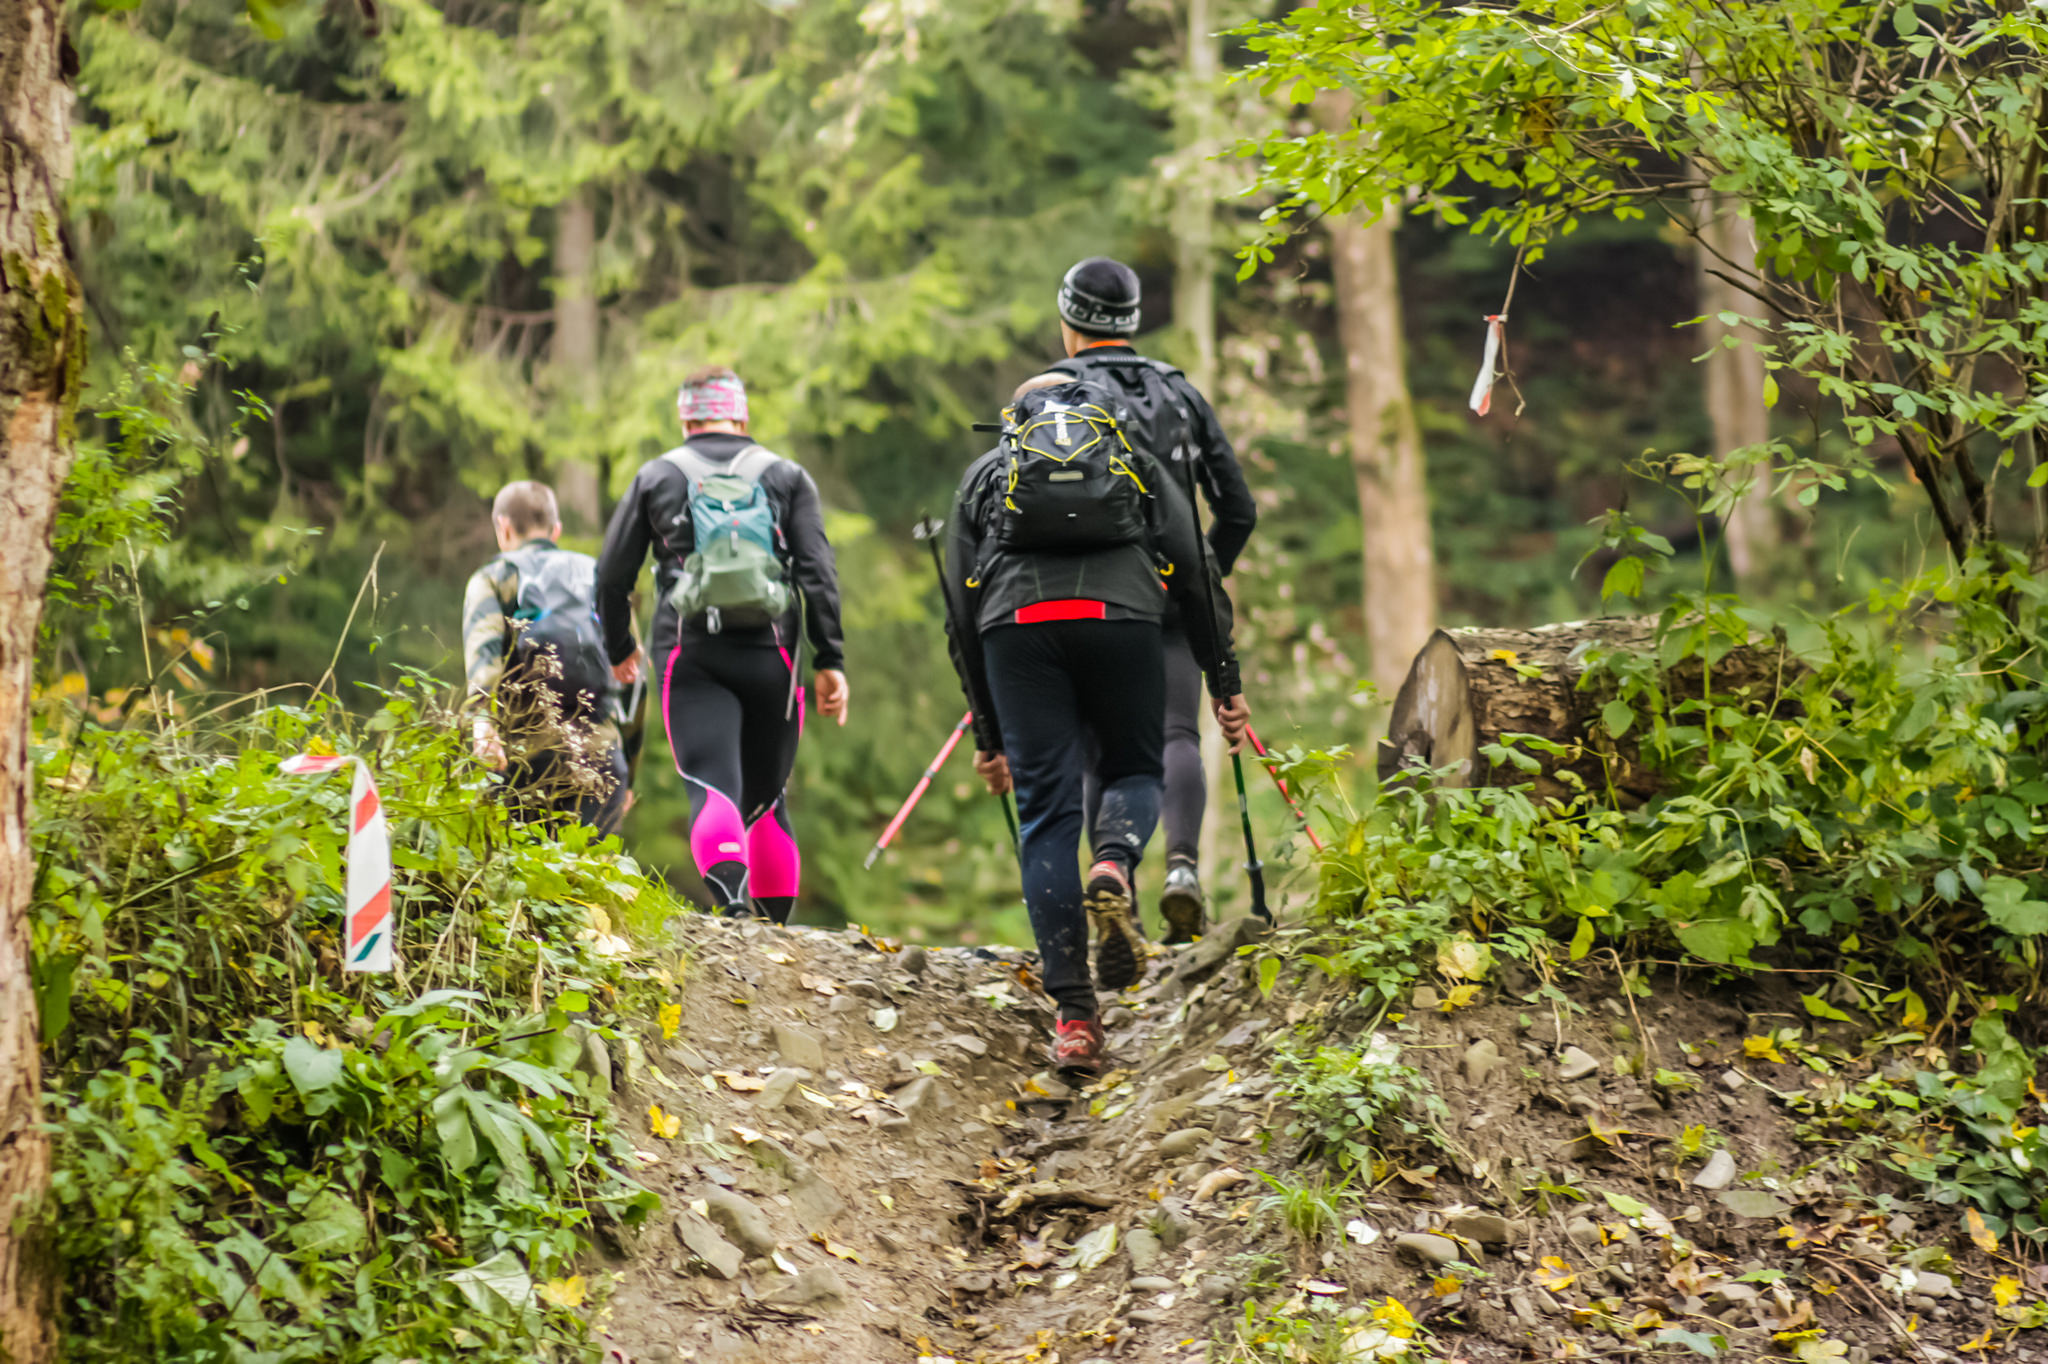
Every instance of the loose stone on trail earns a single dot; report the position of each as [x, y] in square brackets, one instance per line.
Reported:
[1428, 1249]
[799, 1048]
[1576, 1064]
[1717, 1173]
[702, 1240]
[1482, 1058]
[740, 1220]
[780, 1086]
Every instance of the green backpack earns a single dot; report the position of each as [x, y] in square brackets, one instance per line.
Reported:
[736, 577]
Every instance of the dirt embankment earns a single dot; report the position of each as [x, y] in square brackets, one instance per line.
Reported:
[870, 1162]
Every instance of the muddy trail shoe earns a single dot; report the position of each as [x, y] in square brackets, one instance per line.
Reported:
[1182, 904]
[1079, 1048]
[1119, 946]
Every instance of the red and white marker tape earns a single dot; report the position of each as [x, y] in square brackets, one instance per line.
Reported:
[368, 925]
[1482, 387]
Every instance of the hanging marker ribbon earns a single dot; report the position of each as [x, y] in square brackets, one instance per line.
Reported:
[1482, 387]
[368, 926]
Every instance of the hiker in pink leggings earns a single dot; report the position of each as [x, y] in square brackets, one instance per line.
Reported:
[746, 581]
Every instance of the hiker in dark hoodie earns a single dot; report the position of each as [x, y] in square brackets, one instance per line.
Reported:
[745, 577]
[1167, 417]
[1065, 547]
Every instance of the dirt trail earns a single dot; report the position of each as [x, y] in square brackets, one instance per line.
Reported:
[873, 1164]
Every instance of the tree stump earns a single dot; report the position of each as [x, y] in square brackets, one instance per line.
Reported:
[1464, 691]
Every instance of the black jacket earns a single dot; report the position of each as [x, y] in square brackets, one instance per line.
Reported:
[986, 586]
[1232, 513]
[655, 513]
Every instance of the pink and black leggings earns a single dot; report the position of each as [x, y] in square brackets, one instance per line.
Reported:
[733, 727]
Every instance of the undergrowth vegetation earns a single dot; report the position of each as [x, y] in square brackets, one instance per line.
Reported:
[261, 1158]
[1873, 822]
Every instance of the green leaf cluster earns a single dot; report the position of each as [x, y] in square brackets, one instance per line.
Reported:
[1889, 154]
[259, 1157]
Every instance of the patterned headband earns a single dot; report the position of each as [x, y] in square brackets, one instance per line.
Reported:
[723, 399]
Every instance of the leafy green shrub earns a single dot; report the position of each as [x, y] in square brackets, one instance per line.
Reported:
[1358, 1106]
[260, 1158]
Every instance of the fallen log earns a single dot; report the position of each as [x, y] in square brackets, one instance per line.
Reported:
[1468, 687]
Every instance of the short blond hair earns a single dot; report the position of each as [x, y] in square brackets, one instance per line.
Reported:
[528, 505]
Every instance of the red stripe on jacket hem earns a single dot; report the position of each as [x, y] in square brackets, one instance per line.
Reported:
[1070, 608]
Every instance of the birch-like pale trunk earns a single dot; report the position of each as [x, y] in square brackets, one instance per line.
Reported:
[1397, 547]
[1734, 380]
[574, 355]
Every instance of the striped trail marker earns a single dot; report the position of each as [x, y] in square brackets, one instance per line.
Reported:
[368, 924]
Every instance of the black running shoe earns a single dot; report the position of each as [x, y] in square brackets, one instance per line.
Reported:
[1119, 946]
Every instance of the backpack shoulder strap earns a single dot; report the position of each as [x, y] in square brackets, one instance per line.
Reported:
[752, 463]
[694, 466]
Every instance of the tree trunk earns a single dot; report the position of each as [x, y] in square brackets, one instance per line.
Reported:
[1399, 554]
[574, 356]
[1194, 313]
[42, 353]
[1463, 691]
[1734, 379]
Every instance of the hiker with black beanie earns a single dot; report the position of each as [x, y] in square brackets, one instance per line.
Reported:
[1167, 417]
[1060, 543]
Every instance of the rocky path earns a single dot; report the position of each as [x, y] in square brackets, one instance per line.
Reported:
[863, 1159]
[871, 1161]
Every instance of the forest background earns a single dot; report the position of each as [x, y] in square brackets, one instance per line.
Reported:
[348, 277]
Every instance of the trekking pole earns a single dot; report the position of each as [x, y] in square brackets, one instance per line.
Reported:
[928, 530]
[1254, 870]
[1273, 771]
[917, 791]
[1010, 818]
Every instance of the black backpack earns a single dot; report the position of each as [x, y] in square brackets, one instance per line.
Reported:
[1148, 405]
[557, 613]
[1069, 480]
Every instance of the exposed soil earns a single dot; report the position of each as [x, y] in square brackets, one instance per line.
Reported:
[929, 1190]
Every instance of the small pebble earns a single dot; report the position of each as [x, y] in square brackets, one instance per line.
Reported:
[1574, 1063]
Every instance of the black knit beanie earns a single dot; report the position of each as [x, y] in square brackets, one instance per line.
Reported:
[1100, 295]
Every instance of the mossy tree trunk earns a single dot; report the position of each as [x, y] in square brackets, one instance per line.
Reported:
[42, 351]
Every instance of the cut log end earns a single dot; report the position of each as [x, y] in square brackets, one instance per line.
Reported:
[1469, 688]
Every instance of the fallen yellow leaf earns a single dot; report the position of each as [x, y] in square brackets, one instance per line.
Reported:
[1762, 1049]
[2006, 1291]
[1459, 997]
[671, 1019]
[1981, 1235]
[1554, 1274]
[744, 1084]
[833, 1248]
[667, 1126]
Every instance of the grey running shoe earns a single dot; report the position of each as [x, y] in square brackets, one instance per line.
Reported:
[1182, 904]
[1119, 947]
